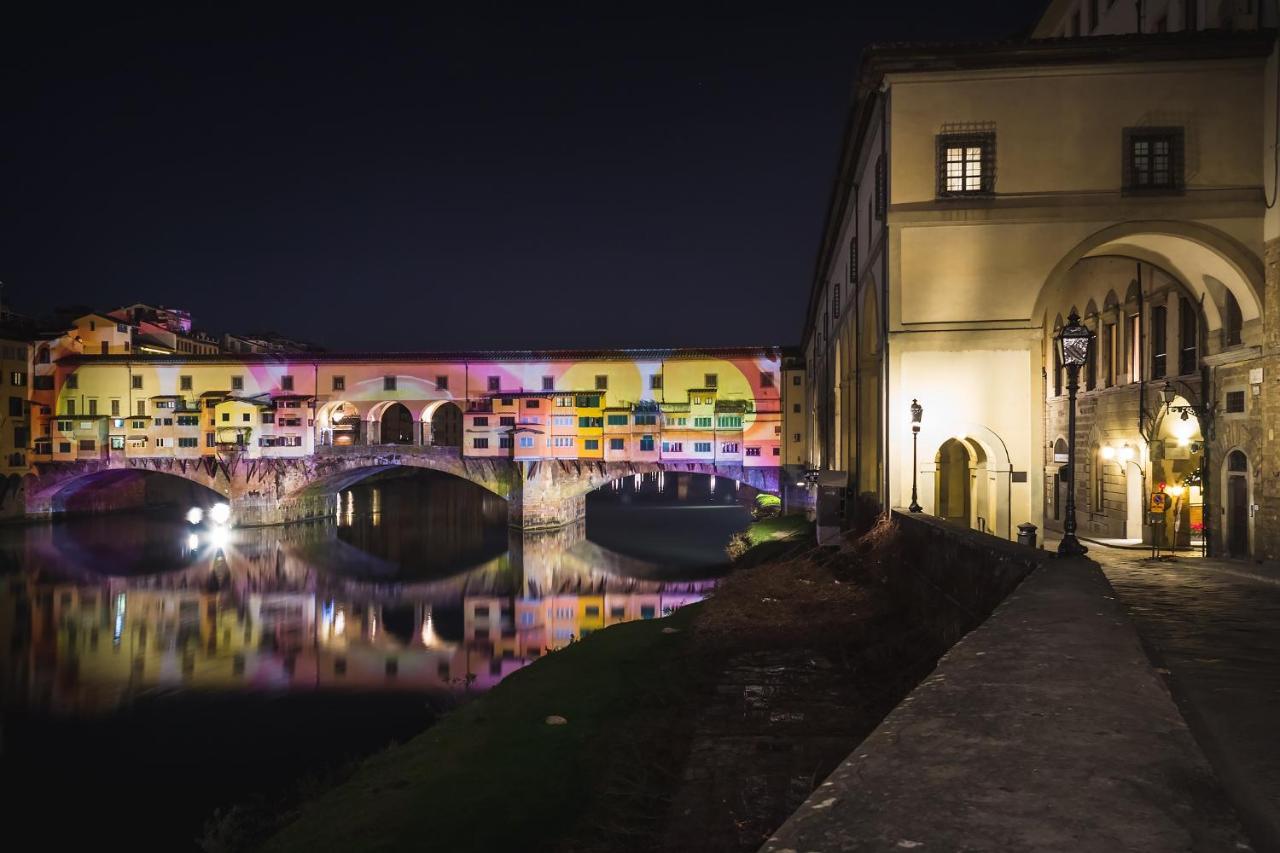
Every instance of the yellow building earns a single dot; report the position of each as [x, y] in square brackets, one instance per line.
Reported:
[986, 192]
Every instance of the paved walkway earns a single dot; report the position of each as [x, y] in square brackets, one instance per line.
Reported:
[1044, 729]
[1213, 628]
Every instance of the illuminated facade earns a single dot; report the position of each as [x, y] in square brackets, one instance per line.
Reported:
[985, 191]
[712, 406]
[15, 420]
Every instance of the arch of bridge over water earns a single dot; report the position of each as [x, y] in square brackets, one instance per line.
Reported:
[540, 494]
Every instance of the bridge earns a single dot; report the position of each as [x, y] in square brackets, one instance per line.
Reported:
[540, 494]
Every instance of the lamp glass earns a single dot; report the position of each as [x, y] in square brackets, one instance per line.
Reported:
[1074, 342]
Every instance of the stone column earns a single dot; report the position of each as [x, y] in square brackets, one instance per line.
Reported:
[548, 495]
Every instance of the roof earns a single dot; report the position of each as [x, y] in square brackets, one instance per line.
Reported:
[462, 356]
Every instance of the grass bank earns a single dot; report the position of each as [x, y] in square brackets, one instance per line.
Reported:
[797, 656]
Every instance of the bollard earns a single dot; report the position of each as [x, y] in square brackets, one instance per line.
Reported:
[1027, 534]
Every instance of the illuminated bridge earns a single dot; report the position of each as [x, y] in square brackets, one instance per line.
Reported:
[280, 436]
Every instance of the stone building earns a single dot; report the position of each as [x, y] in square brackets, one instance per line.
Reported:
[1121, 163]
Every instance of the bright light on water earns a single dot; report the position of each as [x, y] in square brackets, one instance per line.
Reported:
[219, 537]
[220, 513]
[193, 542]
[195, 515]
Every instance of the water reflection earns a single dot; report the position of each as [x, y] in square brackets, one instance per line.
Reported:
[392, 595]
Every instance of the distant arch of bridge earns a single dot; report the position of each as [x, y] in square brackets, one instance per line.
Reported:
[540, 494]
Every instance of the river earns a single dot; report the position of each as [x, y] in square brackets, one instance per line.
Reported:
[152, 670]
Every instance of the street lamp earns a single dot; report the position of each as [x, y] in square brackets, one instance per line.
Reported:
[1074, 342]
[917, 412]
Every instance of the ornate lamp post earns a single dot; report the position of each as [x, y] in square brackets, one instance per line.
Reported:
[917, 412]
[1074, 342]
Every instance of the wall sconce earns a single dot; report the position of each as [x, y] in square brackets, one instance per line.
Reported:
[1125, 453]
[1108, 452]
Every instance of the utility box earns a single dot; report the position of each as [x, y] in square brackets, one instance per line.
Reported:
[1027, 534]
[833, 490]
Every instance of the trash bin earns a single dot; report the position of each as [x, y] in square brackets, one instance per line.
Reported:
[1027, 534]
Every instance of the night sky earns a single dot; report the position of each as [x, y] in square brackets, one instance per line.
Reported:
[531, 175]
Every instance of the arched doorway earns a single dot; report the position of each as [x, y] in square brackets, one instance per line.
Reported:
[339, 424]
[953, 483]
[397, 425]
[445, 426]
[1238, 504]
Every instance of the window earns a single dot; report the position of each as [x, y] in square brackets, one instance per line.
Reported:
[237, 383]
[226, 417]
[795, 407]
[15, 407]
[115, 408]
[73, 382]
[480, 443]
[602, 382]
[729, 421]
[563, 441]
[442, 383]
[18, 378]
[1109, 355]
[246, 417]
[655, 381]
[481, 421]
[702, 422]
[1188, 333]
[507, 420]
[209, 440]
[590, 422]
[616, 420]
[1235, 402]
[673, 446]
[702, 447]
[188, 442]
[135, 382]
[1135, 348]
[388, 383]
[729, 447]
[795, 380]
[753, 451]
[766, 379]
[142, 408]
[548, 383]
[711, 380]
[646, 419]
[42, 383]
[526, 441]
[286, 383]
[88, 444]
[562, 420]
[1234, 321]
[188, 420]
[616, 444]
[495, 383]
[881, 200]
[591, 444]
[71, 407]
[646, 443]
[339, 383]
[1159, 341]
[64, 447]
[504, 442]
[533, 404]
[268, 417]
[1153, 159]
[795, 436]
[966, 164]
[1057, 364]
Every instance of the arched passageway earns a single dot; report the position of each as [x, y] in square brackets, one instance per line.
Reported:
[953, 499]
[444, 425]
[396, 425]
[129, 488]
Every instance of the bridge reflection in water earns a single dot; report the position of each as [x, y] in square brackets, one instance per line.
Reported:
[314, 606]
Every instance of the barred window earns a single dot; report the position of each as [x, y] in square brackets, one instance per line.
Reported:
[966, 164]
[1153, 159]
[882, 189]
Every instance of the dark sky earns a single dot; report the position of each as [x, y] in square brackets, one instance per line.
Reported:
[533, 174]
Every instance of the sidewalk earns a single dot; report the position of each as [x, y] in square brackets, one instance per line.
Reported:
[1213, 628]
[1044, 729]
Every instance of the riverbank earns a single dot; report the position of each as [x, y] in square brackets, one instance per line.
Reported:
[702, 730]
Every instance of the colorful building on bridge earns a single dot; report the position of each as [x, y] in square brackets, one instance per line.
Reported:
[688, 405]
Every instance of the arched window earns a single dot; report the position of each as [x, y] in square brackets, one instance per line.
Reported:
[1237, 461]
[1234, 321]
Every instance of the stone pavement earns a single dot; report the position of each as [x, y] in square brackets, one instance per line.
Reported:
[1044, 729]
[1213, 628]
